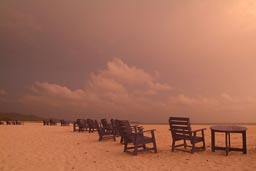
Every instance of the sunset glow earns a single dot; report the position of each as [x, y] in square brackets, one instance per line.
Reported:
[141, 60]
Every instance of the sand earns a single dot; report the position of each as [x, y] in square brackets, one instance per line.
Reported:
[34, 147]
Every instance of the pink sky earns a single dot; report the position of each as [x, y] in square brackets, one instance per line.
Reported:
[138, 60]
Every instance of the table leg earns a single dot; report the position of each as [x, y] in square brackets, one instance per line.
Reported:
[74, 127]
[244, 143]
[213, 140]
[229, 142]
[227, 136]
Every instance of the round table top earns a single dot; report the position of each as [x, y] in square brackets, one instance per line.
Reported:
[228, 128]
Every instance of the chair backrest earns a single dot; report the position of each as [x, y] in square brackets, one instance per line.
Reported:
[96, 124]
[114, 126]
[79, 121]
[180, 126]
[125, 129]
[92, 123]
[52, 122]
[104, 122]
[106, 125]
[82, 122]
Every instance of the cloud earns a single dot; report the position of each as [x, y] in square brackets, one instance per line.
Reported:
[220, 108]
[119, 88]
[221, 101]
[120, 77]
[128, 92]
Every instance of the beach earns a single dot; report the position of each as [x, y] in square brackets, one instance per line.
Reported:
[34, 147]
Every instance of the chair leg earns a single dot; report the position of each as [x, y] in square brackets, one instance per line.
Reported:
[155, 148]
[154, 141]
[173, 145]
[193, 145]
[144, 146]
[204, 147]
[121, 140]
[135, 149]
[193, 148]
[125, 146]
[185, 143]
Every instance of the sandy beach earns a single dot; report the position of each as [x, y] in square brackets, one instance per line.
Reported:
[33, 146]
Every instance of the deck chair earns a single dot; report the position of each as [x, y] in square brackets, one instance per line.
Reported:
[76, 125]
[136, 139]
[82, 125]
[105, 125]
[92, 125]
[8, 122]
[45, 122]
[64, 123]
[19, 122]
[103, 133]
[114, 127]
[181, 131]
[134, 128]
[53, 122]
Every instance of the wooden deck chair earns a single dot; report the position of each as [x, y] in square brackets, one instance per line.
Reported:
[103, 133]
[181, 131]
[92, 125]
[64, 123]
[105, 125]
[134, 139]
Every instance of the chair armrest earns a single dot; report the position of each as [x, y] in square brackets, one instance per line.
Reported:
[141, 132]
[151, 130]
[197, 130]
[136, 128]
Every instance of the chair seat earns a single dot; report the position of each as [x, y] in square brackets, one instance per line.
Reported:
[196, 138]
[140, 139]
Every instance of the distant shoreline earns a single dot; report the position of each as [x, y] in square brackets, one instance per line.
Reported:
[141, 123]
[37, 119]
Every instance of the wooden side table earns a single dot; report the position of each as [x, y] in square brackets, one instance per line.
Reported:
[228, 130]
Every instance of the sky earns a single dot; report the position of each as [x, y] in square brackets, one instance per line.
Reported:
[141, 60]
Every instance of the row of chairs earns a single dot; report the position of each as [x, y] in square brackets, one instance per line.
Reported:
[53, 122]
[81, 125]
[49, 122]
[135, 138]
[15, 122]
